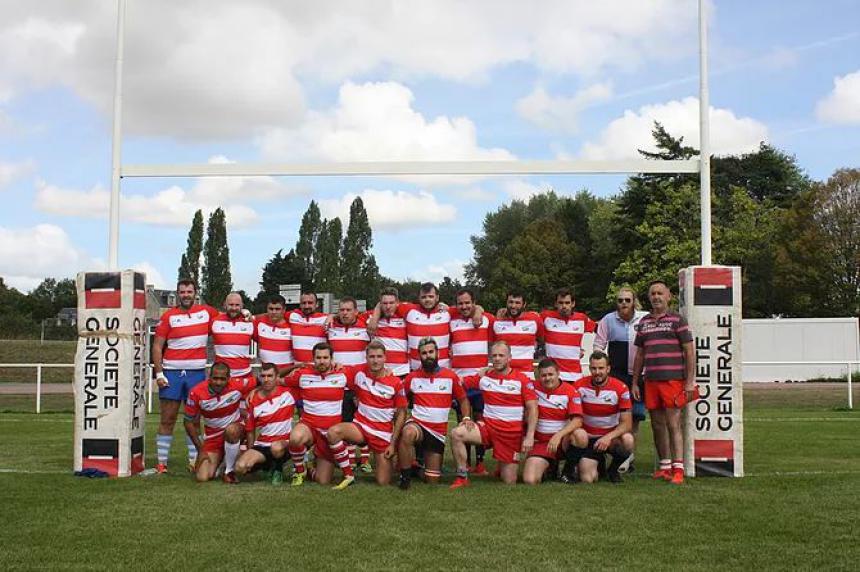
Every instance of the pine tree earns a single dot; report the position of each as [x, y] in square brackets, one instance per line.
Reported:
[309, 233]
[216, 281]
[328, 249]
[359, 270]
[189, 267]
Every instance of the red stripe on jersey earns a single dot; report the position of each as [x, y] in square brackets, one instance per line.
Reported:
[307, 331]
[505, 396]
[186, 333]
[432, 394]
[555, 408]
[470, 345]
[421, 323]
[348, 343]
[272, 414]
[274, 341]
[521, 334]
[232, 341]
[602, 406]
[378, 401]
[218, 410]
[321, 394]
[563, 339]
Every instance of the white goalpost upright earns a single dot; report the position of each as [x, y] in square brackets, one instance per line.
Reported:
[701, 315]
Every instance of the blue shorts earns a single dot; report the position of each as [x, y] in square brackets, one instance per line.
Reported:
[180, 382]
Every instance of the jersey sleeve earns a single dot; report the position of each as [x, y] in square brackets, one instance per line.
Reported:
[470, 381]
[528, 391]
[250, 420]
[682, 330]
[163, 327]
[212, 311]
[601, 334]
[539, 321]
[400, 401]
[624, 403]
[458, 390]
[403, 309]
[192, 406]
[574, 403]
[639, 341]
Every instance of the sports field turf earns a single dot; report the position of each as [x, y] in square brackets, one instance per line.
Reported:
[799, 508]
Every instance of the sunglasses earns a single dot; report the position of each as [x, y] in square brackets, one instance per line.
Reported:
[624, 300]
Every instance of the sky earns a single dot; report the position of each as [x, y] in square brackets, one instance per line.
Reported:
[283, 81]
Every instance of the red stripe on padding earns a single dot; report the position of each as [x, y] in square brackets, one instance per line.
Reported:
[712, 277]
[136, 464]
[140, 300]
[110, 466]
[106, 299]
[714, 448]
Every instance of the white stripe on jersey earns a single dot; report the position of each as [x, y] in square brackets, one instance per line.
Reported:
[503, 412]
[431, 414]
[323, 408]
[376, 413]
[188, 342]
[549, 426]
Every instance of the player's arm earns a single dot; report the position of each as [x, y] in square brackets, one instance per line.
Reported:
[690, 367]
[558, 437]
[531, 424]
[286, 371]
[638, 366]
[463, 400]
[192, 428]
[625, 425]
[399, 420]
[158, 360]
[478, 316]
[601, 336]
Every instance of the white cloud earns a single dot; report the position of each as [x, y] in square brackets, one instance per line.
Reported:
[842, 105]
[559, 113]
[522, 190]
[392, 210]
[28, 255]
[436, 272]
[153, 276]
[11, 171]
[632, 131]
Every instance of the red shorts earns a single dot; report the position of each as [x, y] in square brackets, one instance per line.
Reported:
[214, 443]
[321, 448]
[377, 444]
[665, 394]
[506, 446]
[540, 450]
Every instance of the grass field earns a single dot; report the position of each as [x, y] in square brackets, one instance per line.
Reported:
[799, 508]
[31, 351]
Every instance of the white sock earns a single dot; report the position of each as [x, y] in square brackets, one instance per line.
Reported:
[231, 452]
[192, 450]
[162, 447]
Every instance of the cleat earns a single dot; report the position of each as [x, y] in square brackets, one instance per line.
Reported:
[626, 465]
[366, 467]
[568, 479]
[480, 470]
[277, 478]
[459, 483]
[404, 483]
[498, 472]
[615, 477]
[298, 480]
[191, 466]
[161, 468]
[677, 477]
[345, 483]
[230, 478]
[665, 474]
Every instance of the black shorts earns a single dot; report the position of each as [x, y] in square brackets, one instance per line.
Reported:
[267, 453]
[349, 407]
[428, 442]
[591, 453]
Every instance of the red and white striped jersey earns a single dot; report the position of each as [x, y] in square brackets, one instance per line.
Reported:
[321, 394]
[232, 342]
[307, 331]
[392, 333]
[421, 323]
[348, 343]
[432, 394]
[271, 414]
[563, 341]
[602, 406]
[218, 410]
[521, 334]
[505, 397]
[187, 334]
[470, 345]
[378, 401]
[555, 408]
[274, 341]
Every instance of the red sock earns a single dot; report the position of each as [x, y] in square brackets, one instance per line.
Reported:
[341, 457]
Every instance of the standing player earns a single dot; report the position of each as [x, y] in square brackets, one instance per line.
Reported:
[217, 402]
[559, 415]
[665, 350]
[432, 389]
[269, 418]
[232, 332]
[308, 328]
[348, 339]
[606, 424]
[509, 397]
[391, 331]
[469, 353]
[273, 335]
[563, 332]
[179, 363]
[521, 330]
[321, 390]
[378, 420]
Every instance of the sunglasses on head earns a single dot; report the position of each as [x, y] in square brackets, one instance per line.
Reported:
[624, 300]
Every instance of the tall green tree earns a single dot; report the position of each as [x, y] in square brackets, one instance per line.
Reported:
[359, 270]
[280, 269]
[328, 250]
[837, 218]
[216, 280]
[306, 247]
[189, 266]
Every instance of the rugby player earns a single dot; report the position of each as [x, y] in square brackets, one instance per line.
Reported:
[232, 332]
[378, 420]
[273, 334]
[559, 415]
[268, 423]
[563, 330]
[509, 397]
[606, 424]
[307, 327]
[432, 389]
[390, 329]
[216, 401]
[520, 329]
[179, 363]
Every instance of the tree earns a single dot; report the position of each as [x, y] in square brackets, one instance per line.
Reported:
[306, 246]
[280, 269]
[838, 220]
[328, 249]
[359, 270]
[216, 280]
[50, 296]
[189, 266]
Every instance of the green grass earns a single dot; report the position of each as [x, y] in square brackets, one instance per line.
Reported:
[31, 351]
[798, 509]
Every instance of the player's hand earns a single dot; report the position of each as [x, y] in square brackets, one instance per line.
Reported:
[502, 313]
[468, 424]
[246, 313]
[387, 372]
[483, 371]
[690, 390]
[161, 380]
[602, 444]
[636, 392]
[390, 451]
[553, 444]
[528, 443]
[336, 366]
[328, 322]
[371, 326]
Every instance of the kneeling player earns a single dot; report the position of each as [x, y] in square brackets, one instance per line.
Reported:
[559, 414]
[216, 401]
[607, 424]
[509, 397]
[270, 410]
[378, 419]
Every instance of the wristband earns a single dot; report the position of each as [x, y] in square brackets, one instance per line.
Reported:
[466, 418]
[160, 375]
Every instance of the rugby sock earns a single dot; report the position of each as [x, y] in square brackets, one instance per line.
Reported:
[665, 464]
[677, 465]
[469, 455]
[342, 457]
[572, 457]
[352, 455]
[463, 472]
[192, 450]
[298, 456]
[162, 447]
[231, 452]
[479, 454]
[365, 455]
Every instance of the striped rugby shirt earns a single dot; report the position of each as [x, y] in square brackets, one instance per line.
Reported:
[661, 338]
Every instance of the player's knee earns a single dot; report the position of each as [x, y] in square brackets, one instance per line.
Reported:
[278, 449]
[531, 478]
[233, 433]
[579, 439]
[335, 434]
[628, 442]
[458, 434]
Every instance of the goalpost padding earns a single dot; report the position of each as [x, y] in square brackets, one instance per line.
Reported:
[110, 366]
[710, 299]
